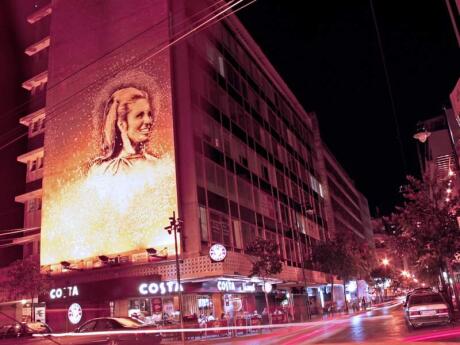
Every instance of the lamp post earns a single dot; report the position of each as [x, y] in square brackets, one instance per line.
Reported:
[175, 226]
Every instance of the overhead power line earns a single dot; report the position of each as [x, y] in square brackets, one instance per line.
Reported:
[151, 53]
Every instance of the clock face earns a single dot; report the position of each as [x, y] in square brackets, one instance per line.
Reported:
[217, 252]
[75, 313]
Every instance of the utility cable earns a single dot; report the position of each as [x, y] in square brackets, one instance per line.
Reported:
[50, 88]
[389, 88]
[149, 54]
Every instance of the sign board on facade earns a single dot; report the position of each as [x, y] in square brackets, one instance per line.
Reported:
[109, 183]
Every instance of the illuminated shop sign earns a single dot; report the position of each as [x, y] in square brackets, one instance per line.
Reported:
[75, 313]
[64, 292]
[231, 286]
[159, 288]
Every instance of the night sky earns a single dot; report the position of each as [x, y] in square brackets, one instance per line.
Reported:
[327, 52]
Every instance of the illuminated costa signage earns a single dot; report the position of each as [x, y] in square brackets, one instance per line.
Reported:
[75, 313]
[64, 292]
[225, 285]
[231, 286]
[159, 288]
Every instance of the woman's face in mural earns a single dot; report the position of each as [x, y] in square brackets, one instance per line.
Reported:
[139, 121]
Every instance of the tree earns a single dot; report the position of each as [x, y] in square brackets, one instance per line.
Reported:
[381, 275]
[25, 280]
[266, 262]
[344, 256]
[426, 226]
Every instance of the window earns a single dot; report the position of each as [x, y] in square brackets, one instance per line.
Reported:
[33, 165]
[249, 233]
[265, 173]
[236, 227]
[220, 232]
[204, 225]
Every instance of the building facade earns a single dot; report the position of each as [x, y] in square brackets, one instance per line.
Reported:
[220, 140]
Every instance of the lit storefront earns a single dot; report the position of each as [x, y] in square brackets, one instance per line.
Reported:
[70, 304]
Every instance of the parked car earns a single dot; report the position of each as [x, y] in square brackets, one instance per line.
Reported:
[415, 291]
[113, 326]
[424, 308]
[23, 333]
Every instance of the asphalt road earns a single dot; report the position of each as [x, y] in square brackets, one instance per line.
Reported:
[384, 325]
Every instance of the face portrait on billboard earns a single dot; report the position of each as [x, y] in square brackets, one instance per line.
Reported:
[127, 125]
[129, 161]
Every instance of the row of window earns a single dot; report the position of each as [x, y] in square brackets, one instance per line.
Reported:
[237, 189]
[332, 171]
[282, 178]
[236, 235]
[222, 36]
[335, 190]
[275, 109]
[345, 215]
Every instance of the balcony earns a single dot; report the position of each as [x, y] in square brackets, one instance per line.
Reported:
[38, 46]
[40, 14]
[36, 81]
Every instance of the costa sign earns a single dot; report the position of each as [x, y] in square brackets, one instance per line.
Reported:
[231, 286]
[159, 288]
[64, 292]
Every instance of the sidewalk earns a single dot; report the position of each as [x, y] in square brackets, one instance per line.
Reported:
[213, 334]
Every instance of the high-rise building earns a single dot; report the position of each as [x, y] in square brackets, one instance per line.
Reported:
[154, 109]
[348, 212]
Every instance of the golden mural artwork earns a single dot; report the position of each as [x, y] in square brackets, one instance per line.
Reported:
[118, 198]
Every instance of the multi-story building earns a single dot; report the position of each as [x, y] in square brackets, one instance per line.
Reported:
[154, 109]
[349, 210]
[347, 213]
[37, 26]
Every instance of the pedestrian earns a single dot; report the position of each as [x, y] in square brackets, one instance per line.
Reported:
[363, 303]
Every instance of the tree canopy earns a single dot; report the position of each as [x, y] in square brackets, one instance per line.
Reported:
[25, 279]
[267, 261]
[425, 227]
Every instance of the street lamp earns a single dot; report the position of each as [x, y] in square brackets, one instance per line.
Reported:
[385, 262]
[422, 136]
[175, 226]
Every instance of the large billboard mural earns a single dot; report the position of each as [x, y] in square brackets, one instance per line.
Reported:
[110, 183]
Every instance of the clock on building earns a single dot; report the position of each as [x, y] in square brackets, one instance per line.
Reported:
[217, 252]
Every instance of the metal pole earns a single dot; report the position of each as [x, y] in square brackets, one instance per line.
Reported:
[181, 318]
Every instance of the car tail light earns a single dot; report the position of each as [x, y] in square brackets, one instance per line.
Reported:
[439, 311]
[412, 313]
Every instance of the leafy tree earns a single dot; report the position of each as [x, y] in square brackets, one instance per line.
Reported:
[26, 280]
[380, 275]
[344, 256]
[426, 227]
[266, 262]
